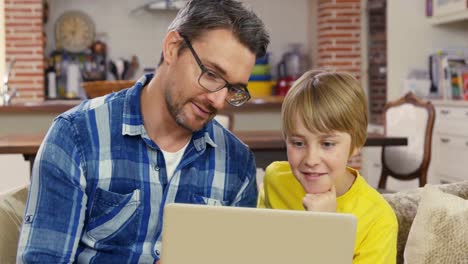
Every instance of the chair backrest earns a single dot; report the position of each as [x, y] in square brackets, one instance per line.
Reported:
[413, 118]
[226, 120]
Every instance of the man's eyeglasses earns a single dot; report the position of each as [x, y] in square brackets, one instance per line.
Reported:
[211, 81]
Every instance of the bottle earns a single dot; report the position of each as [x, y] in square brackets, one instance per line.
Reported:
[73, 83]
[51, 82]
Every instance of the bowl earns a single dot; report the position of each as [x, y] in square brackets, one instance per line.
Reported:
[100, 88]
[259, 89]
[261, 69]
[263, 60]
[258, 78]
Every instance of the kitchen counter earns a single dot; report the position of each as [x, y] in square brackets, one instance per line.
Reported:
[33, 117]
[60, 106]
[49, 106]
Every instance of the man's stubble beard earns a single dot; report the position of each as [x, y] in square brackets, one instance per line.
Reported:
[176, 111]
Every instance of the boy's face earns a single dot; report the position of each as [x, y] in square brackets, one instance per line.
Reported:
[318, 161]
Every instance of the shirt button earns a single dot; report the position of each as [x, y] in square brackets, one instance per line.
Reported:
[157, 252]
[156, 168]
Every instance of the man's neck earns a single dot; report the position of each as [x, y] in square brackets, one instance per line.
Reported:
[159, 124]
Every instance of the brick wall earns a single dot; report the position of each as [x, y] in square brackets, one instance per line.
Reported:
[377, 59]
[339, 37]
[23, 40]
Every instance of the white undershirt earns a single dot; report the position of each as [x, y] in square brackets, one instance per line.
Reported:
[173, 159]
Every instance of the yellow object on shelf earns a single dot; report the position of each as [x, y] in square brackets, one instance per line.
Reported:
[260, 88]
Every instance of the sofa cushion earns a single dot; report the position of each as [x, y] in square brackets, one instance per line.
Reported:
[405, 205]
[438, 233]
[12, 206]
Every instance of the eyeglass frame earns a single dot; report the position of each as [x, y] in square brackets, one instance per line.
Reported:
[205, 69]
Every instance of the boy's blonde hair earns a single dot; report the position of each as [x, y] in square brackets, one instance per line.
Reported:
[327, 101]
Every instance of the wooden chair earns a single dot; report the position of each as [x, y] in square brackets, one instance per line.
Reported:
[413, 118]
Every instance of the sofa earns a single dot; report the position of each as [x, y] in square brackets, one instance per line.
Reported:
[436, 228]
[12, 207]
[405, 204]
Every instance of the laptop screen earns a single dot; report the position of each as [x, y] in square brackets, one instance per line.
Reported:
[218, 234]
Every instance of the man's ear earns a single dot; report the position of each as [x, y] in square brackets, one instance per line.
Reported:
[171, 46]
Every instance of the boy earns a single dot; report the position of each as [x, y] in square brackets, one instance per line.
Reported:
[324, 123]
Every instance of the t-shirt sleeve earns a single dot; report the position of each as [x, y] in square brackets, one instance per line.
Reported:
[380, 245]
[261, 202]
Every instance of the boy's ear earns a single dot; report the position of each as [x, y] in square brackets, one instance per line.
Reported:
[171, 44]
[355, 152]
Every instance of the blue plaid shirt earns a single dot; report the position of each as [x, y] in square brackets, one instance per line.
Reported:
[99, 183]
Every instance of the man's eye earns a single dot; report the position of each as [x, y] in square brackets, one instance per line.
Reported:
[236, 90]
[211, 75]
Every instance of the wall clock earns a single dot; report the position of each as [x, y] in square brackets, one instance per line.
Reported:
[74, 31]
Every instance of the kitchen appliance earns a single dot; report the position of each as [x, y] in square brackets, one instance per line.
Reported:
[290, 67]
[160, 5]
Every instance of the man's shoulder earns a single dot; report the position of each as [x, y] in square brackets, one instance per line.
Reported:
[110, 101]
[229, 138]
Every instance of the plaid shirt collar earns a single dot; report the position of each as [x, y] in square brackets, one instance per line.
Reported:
[133, 120]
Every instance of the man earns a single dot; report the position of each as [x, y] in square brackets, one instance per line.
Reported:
[107, 167]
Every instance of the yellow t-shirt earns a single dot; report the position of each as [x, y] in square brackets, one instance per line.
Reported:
[377, 225]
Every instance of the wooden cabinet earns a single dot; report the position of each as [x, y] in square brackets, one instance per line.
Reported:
[446, 19]
[445, 12]
[450, 142]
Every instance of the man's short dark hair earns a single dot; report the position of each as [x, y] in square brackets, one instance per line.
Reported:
[199, 16]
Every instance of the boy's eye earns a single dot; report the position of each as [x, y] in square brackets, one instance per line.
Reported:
[328, 144]
[297, 143]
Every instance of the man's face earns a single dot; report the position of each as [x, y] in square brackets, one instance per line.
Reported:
[191, 105]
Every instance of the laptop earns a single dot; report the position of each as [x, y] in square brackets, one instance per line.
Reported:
[228, 235]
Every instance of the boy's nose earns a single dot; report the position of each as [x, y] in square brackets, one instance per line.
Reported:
[312, 158]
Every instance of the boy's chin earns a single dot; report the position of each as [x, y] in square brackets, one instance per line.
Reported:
[316, 189]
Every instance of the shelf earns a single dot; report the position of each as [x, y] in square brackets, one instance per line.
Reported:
[450, 18]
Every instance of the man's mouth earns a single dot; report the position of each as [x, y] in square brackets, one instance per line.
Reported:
[202, 111]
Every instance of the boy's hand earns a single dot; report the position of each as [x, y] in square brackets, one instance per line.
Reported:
[320, 202]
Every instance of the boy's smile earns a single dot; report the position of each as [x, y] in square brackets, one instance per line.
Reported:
[311, 176]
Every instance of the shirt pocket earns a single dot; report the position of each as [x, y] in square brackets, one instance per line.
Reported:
[113, 219]
[198, 199]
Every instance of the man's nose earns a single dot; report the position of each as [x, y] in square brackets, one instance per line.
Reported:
[218, 98]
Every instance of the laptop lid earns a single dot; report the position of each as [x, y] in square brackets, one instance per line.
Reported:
[228, 235]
